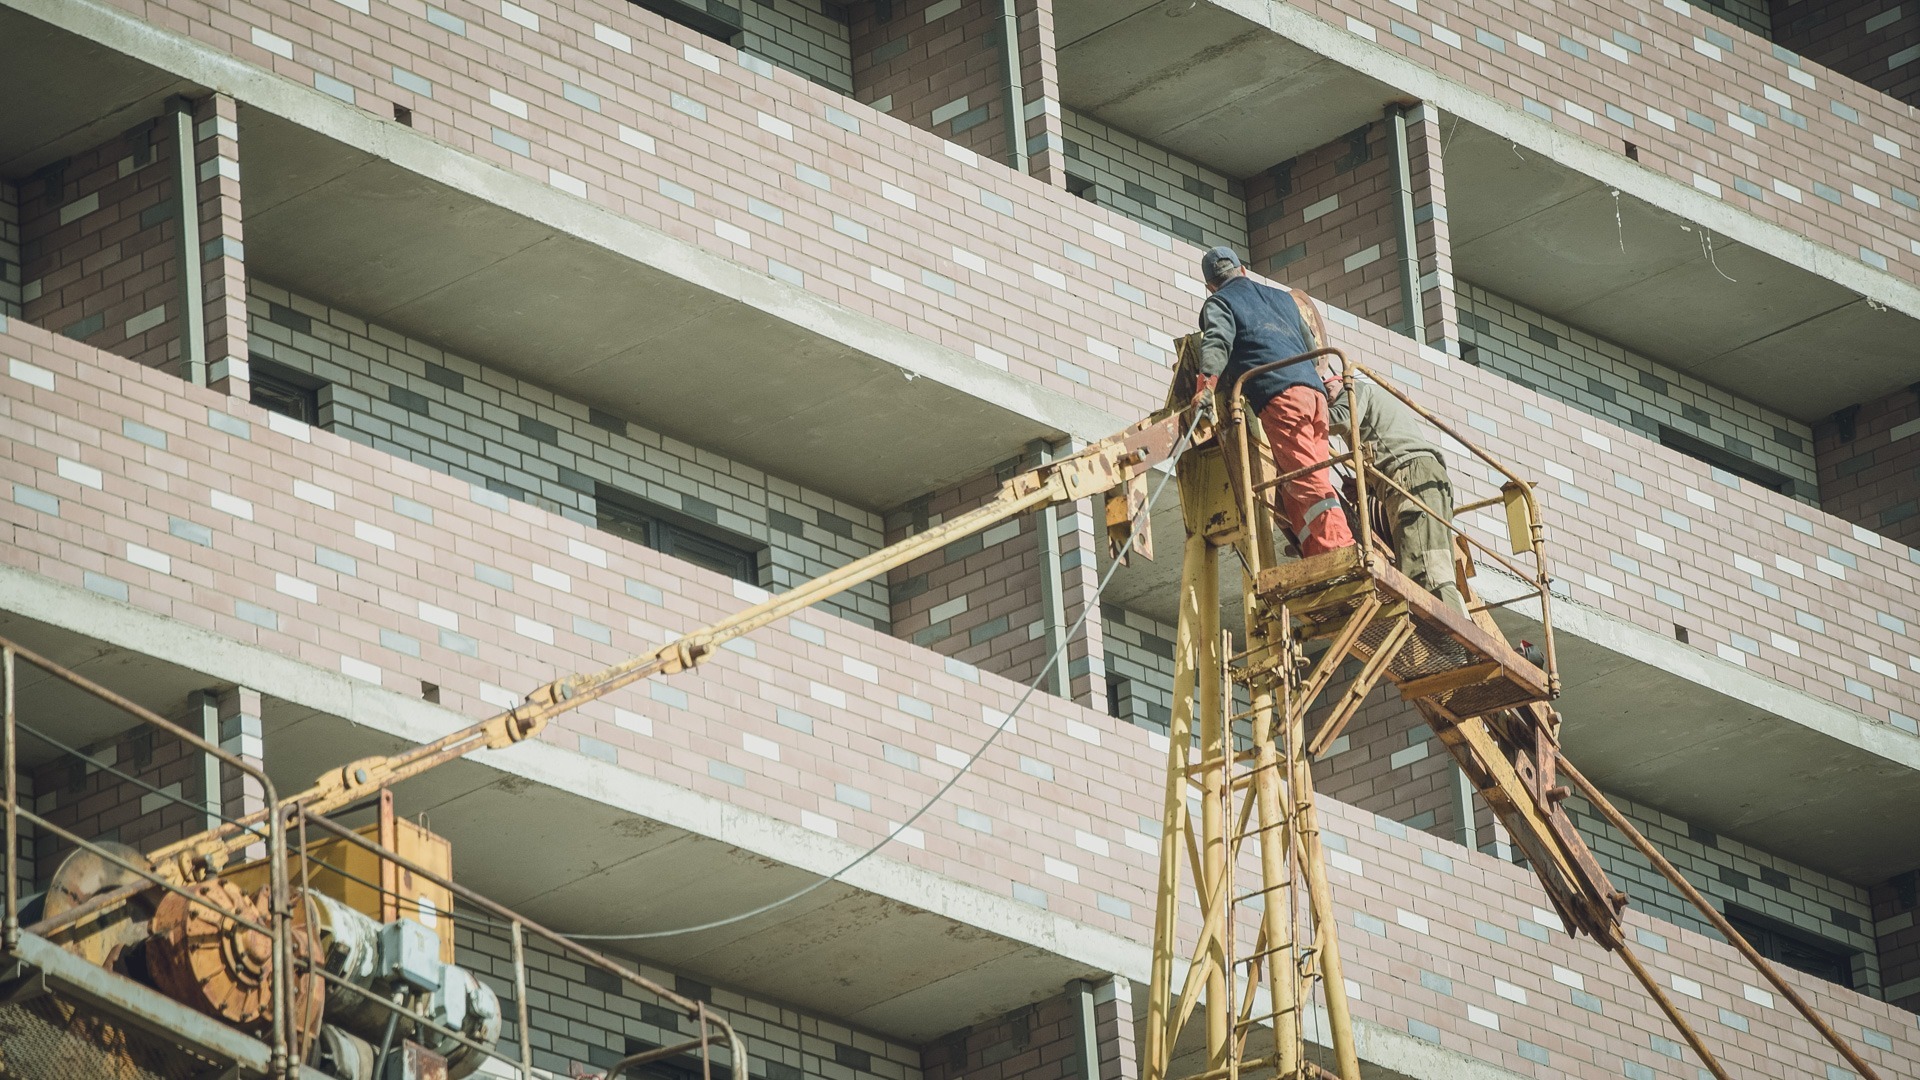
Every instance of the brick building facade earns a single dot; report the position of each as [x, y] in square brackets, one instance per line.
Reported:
[498, 339]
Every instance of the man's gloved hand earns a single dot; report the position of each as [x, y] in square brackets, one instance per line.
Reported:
[1203, 387]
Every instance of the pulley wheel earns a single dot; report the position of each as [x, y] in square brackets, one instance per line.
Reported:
[205, 958]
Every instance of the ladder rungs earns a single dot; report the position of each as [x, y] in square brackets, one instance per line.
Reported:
[1257, 830]
[1244, 897]
[1263, 954]
[1252, 1021]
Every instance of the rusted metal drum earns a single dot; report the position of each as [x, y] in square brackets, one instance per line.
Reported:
[103, 938]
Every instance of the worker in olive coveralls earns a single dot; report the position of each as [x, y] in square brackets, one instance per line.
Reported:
[1397, 445]
[1244, 324]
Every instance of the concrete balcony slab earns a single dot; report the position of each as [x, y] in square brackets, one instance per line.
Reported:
[503, 269]
[1241, 85]
[1208, 83]
[1666, 286]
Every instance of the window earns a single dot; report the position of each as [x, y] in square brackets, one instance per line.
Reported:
[678, 535]
[277, 388]
[715, 19]
[1721, 458]
[677, 1067]
[1119, 696]
[1797, 949]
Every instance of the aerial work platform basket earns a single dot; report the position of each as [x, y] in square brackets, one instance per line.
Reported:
[1437, 654]
[1239, 812]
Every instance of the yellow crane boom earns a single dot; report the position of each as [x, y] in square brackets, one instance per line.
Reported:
[1115, 466]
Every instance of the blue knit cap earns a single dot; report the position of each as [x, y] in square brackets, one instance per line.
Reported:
[1218, 264]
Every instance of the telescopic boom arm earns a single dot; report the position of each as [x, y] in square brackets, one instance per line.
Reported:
[1114, 466]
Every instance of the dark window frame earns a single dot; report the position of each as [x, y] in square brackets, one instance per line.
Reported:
[670, 532]
[1720, 457]
[287, 391]
[716, 26]
[1791, 946]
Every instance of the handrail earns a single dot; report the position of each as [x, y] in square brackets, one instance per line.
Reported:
[1248, 492]
[1236, 412]
[277, 926]
[279, 911]
[695, 1009]
[1537, 542]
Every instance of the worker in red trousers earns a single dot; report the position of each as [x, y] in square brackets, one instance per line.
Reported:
[1244, 324]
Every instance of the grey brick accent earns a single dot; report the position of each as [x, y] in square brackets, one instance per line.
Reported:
[1154, 186]
[512, 437]
[1604, 379]
[583, 1019]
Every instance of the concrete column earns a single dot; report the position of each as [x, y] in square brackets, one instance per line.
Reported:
[232, 717]
[222, 254]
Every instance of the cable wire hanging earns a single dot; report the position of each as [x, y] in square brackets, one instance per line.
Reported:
[1033, 686]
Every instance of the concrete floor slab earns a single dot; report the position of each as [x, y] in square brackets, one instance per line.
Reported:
[1644, 277]
[120, 93]
[1208, 83]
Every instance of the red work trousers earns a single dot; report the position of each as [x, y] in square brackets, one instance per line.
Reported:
[1296, 424]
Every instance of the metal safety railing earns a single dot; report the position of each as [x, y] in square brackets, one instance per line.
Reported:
[288, 1040]
[1252, 491]
[276, 925]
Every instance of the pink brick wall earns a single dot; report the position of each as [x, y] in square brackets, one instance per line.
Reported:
[1873, 478]
[917, 59]
[101, 233]
[1392, 765]
[1327, 224]
[982, 599]
[978, 600]
[961, 254]
[1869, 40]
[940, 66]
[99, 237]
[336, 555]
[1826, 157]
[858, 207]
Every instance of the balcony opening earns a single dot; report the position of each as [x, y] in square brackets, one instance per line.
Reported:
[1721, 458]
[722, 22]
[281, 389]
[1793, 947]
[676, 534]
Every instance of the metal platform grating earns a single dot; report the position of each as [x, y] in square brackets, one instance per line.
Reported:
[57, 1037]
[1322, 593]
